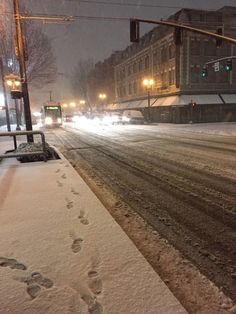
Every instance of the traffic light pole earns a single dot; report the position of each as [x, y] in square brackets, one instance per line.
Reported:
[22, 65]
[221, 59]
[176, 26]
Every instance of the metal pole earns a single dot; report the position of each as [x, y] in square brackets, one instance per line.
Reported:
[23, 74]
[149, 106]
[5, 97]
[17, 116]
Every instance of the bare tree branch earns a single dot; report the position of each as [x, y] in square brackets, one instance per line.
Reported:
[80, 79]
[41, 64]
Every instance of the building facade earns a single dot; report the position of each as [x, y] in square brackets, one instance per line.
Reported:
[176, 70]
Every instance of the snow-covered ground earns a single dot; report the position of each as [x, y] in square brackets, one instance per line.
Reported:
[221, 128]
[61, 252]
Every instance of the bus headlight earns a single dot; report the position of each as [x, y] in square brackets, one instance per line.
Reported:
[48, 120]
[59, 120]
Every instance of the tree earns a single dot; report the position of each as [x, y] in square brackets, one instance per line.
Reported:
[80, 79]
[41, 63]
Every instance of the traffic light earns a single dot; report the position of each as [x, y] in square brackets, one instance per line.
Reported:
[204, 72]
[134, 31]
[219, 31]
[228, 65]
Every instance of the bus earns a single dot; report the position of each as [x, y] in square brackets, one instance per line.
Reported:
[51, 115]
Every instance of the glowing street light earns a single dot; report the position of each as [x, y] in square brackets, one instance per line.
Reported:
[148, 83]
[9, 83]
[72, 104]
[14, 83]
[64, 105]
[102, 96]
[82, 102]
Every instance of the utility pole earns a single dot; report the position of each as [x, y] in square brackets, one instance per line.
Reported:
[23, 74]
[5, 96]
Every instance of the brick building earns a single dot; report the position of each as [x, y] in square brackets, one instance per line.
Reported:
[176, 70]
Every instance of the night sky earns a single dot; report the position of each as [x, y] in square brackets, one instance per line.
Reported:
[97, 39]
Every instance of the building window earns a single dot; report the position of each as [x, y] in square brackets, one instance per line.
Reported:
[140, 65]
[146, 62]
[170, 77]
[209, 48]
[129, 70]
[195, 47]
[130, 89]
[164, 54]
[135, 88]
[171, 51]
[154, 58]
[134, 68]
[194, 73]
[173, 76]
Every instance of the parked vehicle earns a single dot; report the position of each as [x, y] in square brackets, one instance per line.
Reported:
[133, 116]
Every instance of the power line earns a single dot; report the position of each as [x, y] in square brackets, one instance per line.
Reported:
[129, 4]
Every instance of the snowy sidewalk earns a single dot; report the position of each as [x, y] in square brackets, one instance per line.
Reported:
[61, 251]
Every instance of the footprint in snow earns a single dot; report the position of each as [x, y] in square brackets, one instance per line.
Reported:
[59, 184]
[94, 307]
[74, 192]
[69, 204]
[94, 282]
[83, 219]
[76, 245]
[12, 263]
[35, 283]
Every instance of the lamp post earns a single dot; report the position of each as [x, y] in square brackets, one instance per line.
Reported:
[102, 97]
[22, 57]
[148, 83]
[14, 83]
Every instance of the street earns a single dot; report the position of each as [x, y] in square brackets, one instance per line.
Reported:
[180, 180]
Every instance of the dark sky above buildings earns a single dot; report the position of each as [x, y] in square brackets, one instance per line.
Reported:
[97, 39]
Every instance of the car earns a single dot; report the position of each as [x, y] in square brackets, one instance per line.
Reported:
[68, 118]
[116, 117]
[132, 116]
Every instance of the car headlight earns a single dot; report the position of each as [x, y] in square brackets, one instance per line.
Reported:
[48, 120]
[125, 119]
[59, 120]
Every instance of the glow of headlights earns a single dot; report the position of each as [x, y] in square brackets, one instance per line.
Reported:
[59, 120]
[107, 120]
[75, 119]
[125, 119]
[115, 119]
[48, 120]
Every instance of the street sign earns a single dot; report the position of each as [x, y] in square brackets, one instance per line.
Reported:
[216, 66]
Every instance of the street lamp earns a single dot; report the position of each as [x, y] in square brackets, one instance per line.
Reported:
[14, 83]
[148, 83]
[72, 104]
[102, 97]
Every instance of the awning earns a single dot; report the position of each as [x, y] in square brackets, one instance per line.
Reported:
[186, 99]
[180, 100]
[229, 98]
